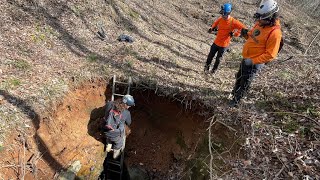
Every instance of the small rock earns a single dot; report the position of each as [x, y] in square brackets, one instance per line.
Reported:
[1, 98]
[290, 174]
[141, 164]
[71, 171]
[92, 168]
[247, 163]
[308, 161]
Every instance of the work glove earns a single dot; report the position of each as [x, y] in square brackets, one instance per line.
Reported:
[212, 30]
[248, 62]
[244, 32]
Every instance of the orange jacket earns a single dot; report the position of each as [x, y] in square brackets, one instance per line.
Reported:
[263, 43]
[224, 28]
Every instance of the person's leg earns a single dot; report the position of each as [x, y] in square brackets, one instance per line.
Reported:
[245, 76]
[117, 147]
[237, 87]
[108, 143]
[221, 50]
[213, 51]
[254, 69]
[238, 80]
[116, 153]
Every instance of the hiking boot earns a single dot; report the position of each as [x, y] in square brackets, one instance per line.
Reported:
[213, 71]
[116, 153]
[206, 68]
[234, 103]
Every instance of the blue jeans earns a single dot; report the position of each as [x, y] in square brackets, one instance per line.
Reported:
[244, 78]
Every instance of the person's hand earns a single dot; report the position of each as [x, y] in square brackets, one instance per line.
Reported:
[244, 32]
[248, 62]
[231, 34]
[210, 30]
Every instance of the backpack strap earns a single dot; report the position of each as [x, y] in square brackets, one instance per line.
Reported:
[274, 28]
[116, 113]
[281, 41]
[231, 24]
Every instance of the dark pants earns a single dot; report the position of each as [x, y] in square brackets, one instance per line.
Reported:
[213, 50]
[244, 78]
[117, 142]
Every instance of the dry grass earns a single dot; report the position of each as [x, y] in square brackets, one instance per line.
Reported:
[48, 47]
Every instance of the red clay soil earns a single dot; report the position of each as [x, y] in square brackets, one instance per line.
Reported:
[161, 132]
[66, 134]
[62, 138]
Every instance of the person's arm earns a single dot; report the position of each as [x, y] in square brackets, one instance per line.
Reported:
[272, 47]
[127, 117]
[214, 25]
[109, 106]
[237, 26]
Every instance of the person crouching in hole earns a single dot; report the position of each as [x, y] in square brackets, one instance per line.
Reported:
[117, 117]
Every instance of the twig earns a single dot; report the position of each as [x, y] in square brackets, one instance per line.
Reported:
[9, 166]
[210, 144]
[311, 42]
[23, 158]
[226, 126]
[194, 149]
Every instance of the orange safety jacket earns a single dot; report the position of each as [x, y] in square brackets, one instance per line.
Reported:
[224, 28]
[263, 43]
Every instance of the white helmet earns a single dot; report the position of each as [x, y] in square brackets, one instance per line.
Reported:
[266, 9]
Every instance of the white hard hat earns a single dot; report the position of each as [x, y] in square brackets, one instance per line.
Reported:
[266, 9]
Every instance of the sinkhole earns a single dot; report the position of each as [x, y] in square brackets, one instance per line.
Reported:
[168, 139]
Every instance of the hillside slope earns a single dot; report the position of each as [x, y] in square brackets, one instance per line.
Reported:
[50, 47]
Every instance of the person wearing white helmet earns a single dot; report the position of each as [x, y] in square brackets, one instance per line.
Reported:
[262, 46]
[116, 117]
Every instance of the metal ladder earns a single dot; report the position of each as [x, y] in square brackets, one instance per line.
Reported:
[119, 82]
[114, 169]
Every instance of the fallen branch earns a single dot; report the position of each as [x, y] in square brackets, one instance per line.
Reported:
[212, 122]
[293, 113]
[226, 126]
[23, 158]
[311, 42]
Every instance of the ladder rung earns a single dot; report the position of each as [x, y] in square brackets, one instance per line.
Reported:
[114, 171]
[119, 94]
[114, 163]
[119, 82]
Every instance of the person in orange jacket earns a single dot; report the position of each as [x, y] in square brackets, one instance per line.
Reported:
[226, 27]
[262, 46]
